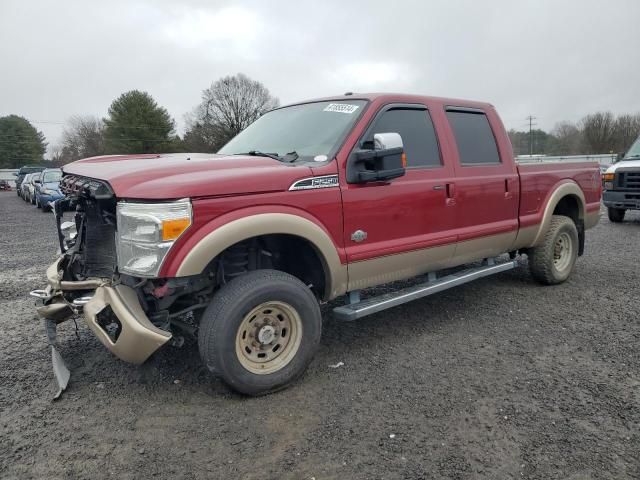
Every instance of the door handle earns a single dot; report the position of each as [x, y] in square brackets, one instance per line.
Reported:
[451, 194]
[507, 194]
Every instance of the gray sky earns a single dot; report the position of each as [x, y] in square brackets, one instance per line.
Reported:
[558, 60]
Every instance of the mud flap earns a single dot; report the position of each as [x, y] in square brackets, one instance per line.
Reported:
[60, 370]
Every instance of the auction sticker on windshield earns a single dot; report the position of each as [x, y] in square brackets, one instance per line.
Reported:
[341, 108]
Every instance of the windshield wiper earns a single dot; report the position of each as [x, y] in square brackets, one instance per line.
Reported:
[258, 153]
[291, 157]
[635, 155]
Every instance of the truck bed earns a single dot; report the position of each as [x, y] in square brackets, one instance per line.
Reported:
[539, 180]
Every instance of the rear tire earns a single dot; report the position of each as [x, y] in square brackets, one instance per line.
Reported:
[260, 331]
[552, 262]
[616, 215]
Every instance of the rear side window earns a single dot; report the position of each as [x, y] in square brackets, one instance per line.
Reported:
[417, 132]
[475, 140]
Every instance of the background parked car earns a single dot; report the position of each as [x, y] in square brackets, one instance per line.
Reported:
[4, 185]
[24, 184]
[47, 188]
[31, 187]
[22, 173]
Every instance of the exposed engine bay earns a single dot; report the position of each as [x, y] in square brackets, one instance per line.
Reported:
[87, 229]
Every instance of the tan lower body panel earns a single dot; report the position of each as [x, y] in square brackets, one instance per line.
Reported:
[591, 219]
[390, 268]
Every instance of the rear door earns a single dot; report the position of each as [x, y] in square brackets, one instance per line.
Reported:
[400, 228]
[486, 186]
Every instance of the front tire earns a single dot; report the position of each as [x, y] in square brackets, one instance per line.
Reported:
[260, 331]
[616, 215]
[552, 262]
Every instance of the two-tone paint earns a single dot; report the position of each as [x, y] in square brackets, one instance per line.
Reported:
[430, 218]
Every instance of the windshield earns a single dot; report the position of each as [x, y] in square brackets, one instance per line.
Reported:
[634, 151]
[313, 130]
[52, 176]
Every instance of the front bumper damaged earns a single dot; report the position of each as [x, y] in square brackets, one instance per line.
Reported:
[112, 311]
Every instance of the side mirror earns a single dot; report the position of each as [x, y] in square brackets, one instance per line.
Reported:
[620, 156]
[385, 161]
[37, 181]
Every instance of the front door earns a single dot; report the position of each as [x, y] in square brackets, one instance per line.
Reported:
[401, 228]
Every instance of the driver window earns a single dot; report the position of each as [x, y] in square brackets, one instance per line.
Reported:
[417, 132]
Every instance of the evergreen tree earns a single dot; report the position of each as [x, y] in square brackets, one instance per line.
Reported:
[20, 142]
[136, 124]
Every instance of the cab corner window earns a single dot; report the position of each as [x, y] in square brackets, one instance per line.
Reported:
[474, 138]
[417, 132]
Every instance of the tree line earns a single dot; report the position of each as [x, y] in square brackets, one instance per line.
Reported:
[135, 123]
[600, 132]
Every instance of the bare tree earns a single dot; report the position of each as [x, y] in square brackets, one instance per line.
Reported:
[598, 132]
[82, 137]
[55, 155]
[568, 139]
[626, 130]
[229, 106]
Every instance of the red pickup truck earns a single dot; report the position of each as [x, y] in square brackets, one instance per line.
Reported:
[311, 202]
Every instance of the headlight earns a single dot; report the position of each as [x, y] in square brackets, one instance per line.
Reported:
[146, 232]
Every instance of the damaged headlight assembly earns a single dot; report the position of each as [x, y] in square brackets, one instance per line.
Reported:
[146, 232]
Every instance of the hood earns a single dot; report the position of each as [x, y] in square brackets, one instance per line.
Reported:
[623, 164]
[168, 176]
[51, 185]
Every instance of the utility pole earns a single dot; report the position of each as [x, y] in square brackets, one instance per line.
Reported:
[531, 118]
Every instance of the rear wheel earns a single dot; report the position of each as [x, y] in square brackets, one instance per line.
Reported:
[260, 331]
[552, 262]
[616, 215]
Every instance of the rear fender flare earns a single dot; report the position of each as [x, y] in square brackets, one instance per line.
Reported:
[567, 189]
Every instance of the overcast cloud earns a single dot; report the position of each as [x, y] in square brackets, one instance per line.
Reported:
[558, 60]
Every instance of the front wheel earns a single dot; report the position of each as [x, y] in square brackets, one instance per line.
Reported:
[552, 262]
[260, 331]
[616, 215]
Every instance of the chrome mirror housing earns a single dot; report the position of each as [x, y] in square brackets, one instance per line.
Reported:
[385, 141]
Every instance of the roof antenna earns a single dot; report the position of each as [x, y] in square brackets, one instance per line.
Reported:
[348, 93]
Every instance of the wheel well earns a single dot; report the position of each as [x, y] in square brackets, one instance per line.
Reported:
[287, 253]
[569, 206]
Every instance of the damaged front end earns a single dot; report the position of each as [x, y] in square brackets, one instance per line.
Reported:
[84, 280]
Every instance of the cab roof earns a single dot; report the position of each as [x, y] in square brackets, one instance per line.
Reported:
[380, 97]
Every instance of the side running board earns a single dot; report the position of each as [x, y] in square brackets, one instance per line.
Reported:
[366, 307]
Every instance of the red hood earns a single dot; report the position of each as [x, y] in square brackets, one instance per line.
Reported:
[178, 175]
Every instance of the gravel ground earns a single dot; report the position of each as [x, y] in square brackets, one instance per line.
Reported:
[502, 378]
